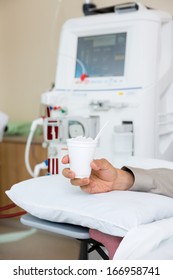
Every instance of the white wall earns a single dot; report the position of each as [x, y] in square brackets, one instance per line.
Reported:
[29, 33]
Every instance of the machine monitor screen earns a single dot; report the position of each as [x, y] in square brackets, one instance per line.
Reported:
[101, 55]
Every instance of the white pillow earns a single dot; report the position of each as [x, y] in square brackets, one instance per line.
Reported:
[53, 198]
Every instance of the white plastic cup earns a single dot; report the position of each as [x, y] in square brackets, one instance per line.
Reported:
[81, 155]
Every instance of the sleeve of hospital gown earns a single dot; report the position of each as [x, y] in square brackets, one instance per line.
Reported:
[158, 181]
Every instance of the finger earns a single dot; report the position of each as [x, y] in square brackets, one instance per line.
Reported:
[68, 173]
[89, 188]
[80, 182]
[65, 159]
[86, 189]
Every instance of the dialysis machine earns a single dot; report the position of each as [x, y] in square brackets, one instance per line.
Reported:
[115, 65]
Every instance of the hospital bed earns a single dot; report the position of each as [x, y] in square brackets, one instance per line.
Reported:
[54, 205]
[87, 244]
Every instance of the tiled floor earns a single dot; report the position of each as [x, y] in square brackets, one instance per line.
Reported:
[25, 243]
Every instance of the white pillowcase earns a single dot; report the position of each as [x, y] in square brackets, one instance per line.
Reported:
[53, 198]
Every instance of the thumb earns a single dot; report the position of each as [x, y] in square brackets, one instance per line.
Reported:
[100, 164]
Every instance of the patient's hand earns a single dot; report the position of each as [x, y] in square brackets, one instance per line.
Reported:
[104, 177]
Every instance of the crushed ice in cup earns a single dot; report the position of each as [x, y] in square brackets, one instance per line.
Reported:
[82, 139]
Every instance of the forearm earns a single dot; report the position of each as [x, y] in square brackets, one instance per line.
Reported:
[158, 181]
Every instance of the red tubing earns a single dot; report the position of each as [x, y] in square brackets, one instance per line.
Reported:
[7, 216]
[6, 207]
